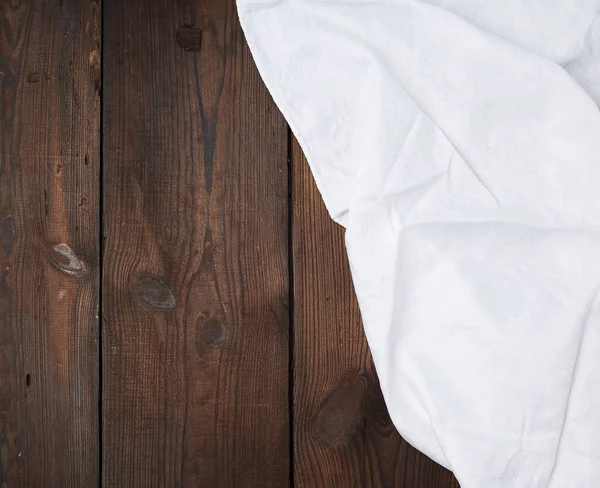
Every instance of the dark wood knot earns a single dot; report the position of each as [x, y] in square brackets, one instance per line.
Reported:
[33, 77]
[340, 415]
[155, 293]
[212, 332]
[189, 37]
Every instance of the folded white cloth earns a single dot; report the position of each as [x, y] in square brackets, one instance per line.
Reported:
[458, 141]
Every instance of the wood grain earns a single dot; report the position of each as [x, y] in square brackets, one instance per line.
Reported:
[195, 312]
[343, 435]
[49, 194]
[195, 336]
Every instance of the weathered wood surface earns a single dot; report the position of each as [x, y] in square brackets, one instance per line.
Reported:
[49, 235]
[343, 435]
[203, 228]
[195, 329]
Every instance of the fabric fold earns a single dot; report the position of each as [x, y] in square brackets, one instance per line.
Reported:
[464, 161]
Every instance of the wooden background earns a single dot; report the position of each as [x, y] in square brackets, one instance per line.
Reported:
[176, 308]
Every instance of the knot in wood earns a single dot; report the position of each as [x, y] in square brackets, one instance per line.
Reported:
[65, 260]
[154, 292]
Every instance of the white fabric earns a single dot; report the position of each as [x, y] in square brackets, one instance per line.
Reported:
[458, 141]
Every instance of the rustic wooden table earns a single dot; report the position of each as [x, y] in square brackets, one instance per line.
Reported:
[176, 307]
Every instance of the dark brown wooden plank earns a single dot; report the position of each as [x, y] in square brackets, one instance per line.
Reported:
[195, 334]
[343, 435]
[49, 195]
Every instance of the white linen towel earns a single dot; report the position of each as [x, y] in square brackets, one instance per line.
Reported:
[458, 141]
